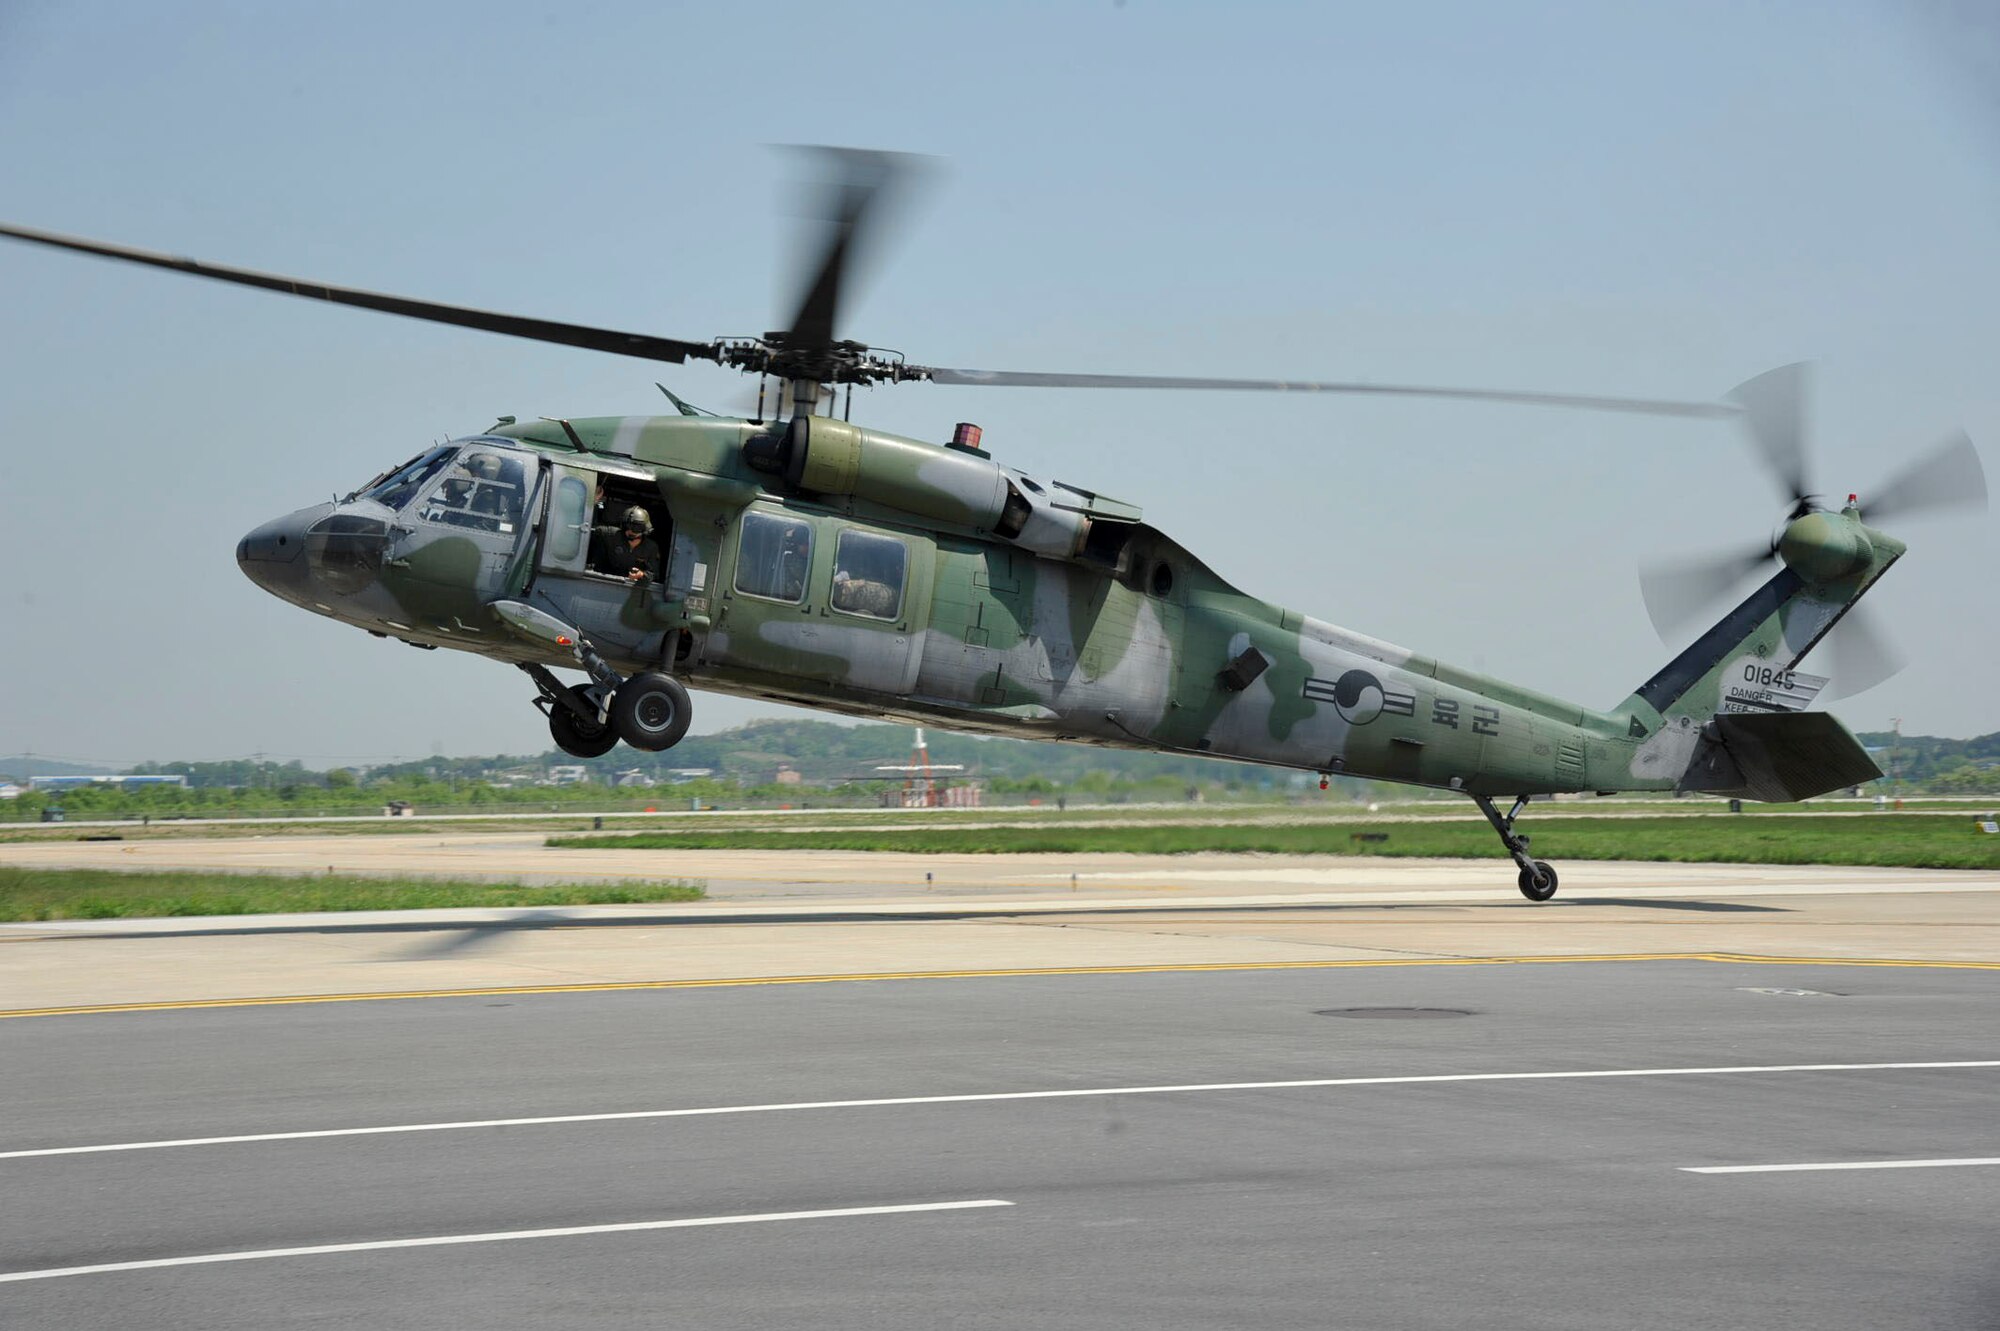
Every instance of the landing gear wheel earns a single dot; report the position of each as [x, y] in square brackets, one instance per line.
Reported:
[1538, 883]
[651, 711]
[576, 736]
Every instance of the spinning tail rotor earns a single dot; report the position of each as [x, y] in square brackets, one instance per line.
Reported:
[1817, 543]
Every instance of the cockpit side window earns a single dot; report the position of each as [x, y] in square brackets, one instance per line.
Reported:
[482, 490]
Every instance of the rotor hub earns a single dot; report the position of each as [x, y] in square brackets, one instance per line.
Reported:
[1823, 547]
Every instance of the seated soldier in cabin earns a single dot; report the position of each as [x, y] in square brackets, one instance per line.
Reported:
[863, 596]
[794, 562]
[627, 550]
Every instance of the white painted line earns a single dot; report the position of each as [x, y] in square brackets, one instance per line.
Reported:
[1840, 1164]
[505, 1236]
[982, 1098]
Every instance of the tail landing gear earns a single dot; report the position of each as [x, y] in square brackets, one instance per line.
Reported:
[1537, 880]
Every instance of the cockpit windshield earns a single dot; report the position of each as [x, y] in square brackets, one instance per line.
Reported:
[396, 488]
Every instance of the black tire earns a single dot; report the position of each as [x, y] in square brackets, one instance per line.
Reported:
[651, 711]
[576, 736]
[1539, 882]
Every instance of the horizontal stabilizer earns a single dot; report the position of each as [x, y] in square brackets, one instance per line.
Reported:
[1777, 757]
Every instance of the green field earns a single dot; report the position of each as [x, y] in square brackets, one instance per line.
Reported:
[1324, 811]
[95, 894]
[1930, 841]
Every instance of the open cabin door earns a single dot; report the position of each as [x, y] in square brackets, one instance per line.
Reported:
[566, 528]
[624, 619]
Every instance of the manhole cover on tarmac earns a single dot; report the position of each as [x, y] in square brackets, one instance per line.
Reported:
[1393, 1013]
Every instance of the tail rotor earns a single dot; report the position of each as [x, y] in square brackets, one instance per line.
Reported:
[1948, 476]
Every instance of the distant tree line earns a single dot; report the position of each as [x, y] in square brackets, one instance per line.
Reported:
[836, 766]
[1928, 764]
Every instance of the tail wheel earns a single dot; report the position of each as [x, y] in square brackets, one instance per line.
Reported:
[574, 735]
[1538, 881]
[651, 711]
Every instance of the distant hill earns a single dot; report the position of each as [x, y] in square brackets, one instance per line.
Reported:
[824, 752]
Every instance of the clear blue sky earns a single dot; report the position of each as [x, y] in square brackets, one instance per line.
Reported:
[1653, 200]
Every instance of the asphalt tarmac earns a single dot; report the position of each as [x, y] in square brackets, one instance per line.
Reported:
[1215, 1091]
[1085, 1150]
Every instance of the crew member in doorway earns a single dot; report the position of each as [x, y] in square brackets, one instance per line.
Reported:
[627, 550]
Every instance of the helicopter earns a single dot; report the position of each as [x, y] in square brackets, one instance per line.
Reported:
[798, 557]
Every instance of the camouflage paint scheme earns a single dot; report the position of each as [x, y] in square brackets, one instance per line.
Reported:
[1029, 608]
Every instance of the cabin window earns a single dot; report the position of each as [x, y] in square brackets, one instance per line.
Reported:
[566, 531]
[868, 574]
[773, 556]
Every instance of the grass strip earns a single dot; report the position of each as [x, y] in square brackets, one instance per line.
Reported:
[1923, 841]
[103, 894]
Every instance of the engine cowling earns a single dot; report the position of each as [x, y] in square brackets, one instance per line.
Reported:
[820, 455]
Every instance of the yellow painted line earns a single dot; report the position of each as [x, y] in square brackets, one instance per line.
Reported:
[616, 986]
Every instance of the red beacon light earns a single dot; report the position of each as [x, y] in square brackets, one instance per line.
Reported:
[965, 437]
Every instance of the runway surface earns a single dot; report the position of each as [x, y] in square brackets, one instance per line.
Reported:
[794, 915]
[1198, 1195]
[1200, 1091]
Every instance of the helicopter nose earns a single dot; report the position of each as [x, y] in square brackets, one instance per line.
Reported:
[273, 555]
[278, 542]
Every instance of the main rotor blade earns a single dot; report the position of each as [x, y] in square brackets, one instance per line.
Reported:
[1949, 476]
[1774, 411]
[1012, 379]
[1861, 654]
[850, 206]
[513, 325]
[1676, 593]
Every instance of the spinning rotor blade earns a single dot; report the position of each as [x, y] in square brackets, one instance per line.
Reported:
[1949, 476]
[1676, 593]
[1011, 379]
[514, 325]
[851, 208]
[1860, 654]
[1773, 406]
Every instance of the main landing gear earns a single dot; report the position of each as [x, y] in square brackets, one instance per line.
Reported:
[650, 710]
[1538, 880]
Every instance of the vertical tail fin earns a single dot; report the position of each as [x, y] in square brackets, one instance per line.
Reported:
[1720, 717]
